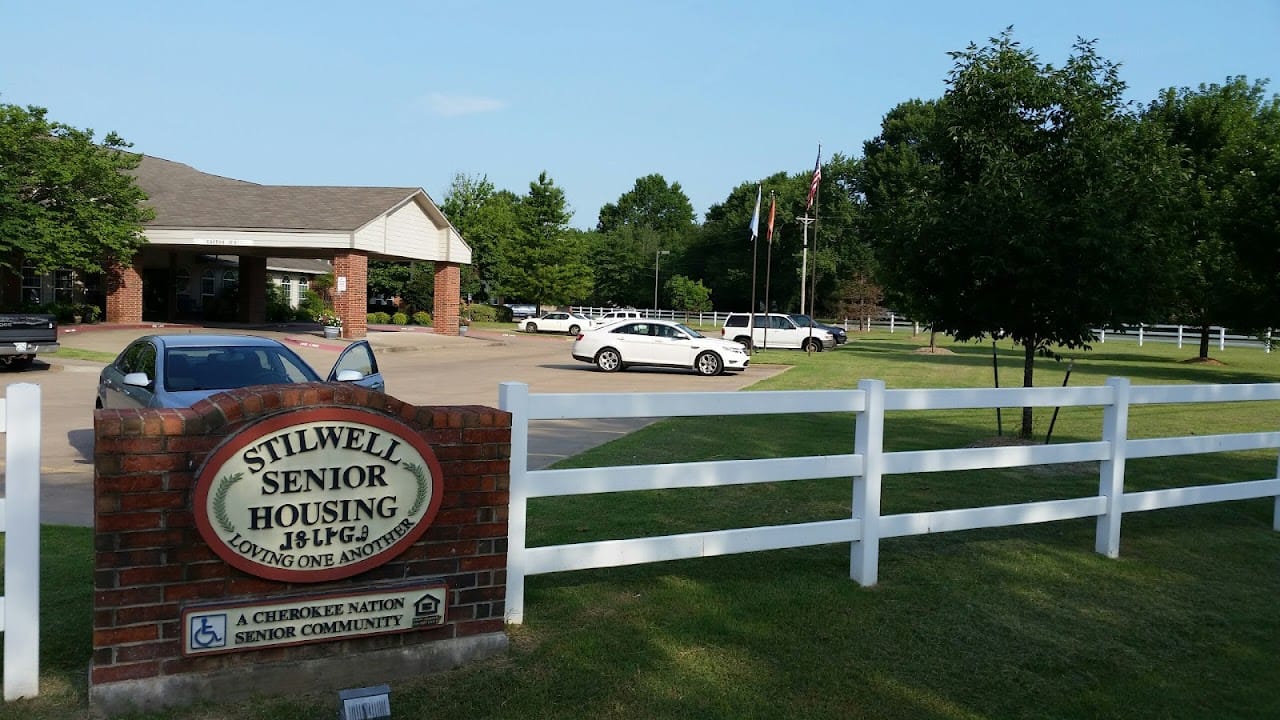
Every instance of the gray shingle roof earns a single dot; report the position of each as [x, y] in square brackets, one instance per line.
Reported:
[185, 197]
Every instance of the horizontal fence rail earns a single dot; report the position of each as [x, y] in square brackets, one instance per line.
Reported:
[866, 467]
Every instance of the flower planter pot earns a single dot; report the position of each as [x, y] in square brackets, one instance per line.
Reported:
[332, 331]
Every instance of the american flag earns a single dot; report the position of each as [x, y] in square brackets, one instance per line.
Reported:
[817, 178]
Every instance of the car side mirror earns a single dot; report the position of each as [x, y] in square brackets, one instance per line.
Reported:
[140, 379]
[349, 375]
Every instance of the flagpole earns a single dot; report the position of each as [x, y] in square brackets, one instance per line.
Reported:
[768, 269]
[813, 200]
[755, 236]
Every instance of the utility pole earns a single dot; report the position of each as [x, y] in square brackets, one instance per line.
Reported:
[804, 257]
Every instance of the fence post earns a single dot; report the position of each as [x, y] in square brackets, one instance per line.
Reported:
[1139, 336]
[891, 316]
[1179, 337]
[864, 563]
[513, 397]
[20, 606]
[1275, 516]
[1222, 338]
[1115, 430]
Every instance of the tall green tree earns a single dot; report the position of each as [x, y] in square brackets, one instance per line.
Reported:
[899, 173]
[66, 200]
[651, 203]
[622, 260]
[550, 265]
[1216, 131]
[651, 217]
[1255, 224]
[487, 220]
[1042, 217]
[722, 254]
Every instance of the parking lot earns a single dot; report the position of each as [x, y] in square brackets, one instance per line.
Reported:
[419, 368]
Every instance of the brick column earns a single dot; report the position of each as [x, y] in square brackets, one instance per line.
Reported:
[124, 292]
[352, 305]
[253, 290]
[151, 561]
[448, 298]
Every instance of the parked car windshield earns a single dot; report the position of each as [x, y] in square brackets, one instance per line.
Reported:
[223, 368]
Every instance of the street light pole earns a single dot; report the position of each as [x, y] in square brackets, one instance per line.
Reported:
[657, 255]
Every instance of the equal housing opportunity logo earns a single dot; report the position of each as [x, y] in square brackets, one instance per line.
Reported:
[317, 494]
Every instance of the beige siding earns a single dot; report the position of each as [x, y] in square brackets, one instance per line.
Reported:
[411, 234]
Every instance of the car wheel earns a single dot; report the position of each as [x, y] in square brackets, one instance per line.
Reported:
[744, 341]
[813, 346]
[574, 329]
[609, 360]
[708, 363]
[531, 327]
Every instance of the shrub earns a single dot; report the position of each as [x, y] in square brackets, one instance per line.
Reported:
[422, 318]
[480, 313]
[278, 308]
[378, 318]
[399, 319]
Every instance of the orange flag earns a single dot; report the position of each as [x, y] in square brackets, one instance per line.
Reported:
[773, 206]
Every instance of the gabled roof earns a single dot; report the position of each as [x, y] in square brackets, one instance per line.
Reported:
[185, 197]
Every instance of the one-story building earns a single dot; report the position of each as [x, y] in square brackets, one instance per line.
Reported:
[213, 239]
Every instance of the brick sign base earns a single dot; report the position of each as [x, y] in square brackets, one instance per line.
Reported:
[151, 562]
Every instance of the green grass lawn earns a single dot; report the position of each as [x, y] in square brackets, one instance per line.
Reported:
[1023, 622]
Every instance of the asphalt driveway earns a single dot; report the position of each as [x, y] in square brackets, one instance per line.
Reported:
[420, 368]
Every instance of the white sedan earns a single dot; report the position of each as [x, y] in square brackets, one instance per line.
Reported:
[561, 322]
[661, 343]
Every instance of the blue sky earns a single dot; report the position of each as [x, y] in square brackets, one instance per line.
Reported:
[709, 94]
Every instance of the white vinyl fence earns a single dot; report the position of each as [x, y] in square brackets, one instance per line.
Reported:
[20, 523]
[866, 465]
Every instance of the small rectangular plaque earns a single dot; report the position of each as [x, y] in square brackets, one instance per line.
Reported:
[209, 629]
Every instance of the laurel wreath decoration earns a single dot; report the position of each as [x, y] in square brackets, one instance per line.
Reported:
[220, 501]
[420, 473]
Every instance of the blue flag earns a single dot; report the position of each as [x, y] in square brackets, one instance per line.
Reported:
[755, 217]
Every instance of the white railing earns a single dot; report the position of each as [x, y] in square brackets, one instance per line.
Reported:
[20, 523]
[893, 323]
[866, 465]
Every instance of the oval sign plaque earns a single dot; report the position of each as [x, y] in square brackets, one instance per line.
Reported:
[317, 494]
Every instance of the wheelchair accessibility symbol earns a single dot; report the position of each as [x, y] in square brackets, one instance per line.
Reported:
[205, 632]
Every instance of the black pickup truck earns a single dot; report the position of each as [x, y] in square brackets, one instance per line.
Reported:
[22, 335]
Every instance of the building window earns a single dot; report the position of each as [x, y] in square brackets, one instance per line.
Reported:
[230, 279]
[64, 283]
[182, 281]
[208, 287]
[30, 284]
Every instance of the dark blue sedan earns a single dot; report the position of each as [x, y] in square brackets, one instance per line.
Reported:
[168, 371]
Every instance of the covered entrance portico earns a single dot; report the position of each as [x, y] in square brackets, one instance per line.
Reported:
[213, 234]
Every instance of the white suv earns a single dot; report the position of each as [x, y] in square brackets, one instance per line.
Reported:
[775, 330]
[614, 316]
